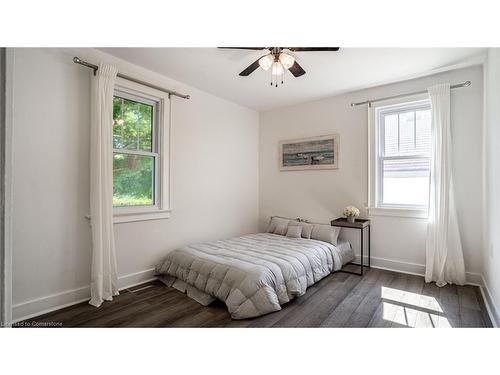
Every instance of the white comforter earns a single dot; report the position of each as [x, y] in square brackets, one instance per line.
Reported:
[253, 274]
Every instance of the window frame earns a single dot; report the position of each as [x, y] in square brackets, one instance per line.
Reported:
[376, 145]
[160, 151]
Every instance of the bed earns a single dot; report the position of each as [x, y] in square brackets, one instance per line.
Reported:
[253, 274]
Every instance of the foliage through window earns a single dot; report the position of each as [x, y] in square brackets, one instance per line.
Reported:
[135, 153]
[404, 148]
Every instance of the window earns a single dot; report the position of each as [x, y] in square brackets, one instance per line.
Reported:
[402, 155]
[140, 153]
[134, 151]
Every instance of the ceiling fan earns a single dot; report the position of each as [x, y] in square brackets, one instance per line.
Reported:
[278, 60]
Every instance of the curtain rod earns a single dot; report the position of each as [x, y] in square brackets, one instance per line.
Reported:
[458, 85]
[77, 60]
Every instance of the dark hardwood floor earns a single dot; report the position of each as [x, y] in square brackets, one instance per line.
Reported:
[379, 299]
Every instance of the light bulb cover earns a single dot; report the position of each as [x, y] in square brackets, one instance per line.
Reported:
[266, 62]
[286, 60]
[277, 69]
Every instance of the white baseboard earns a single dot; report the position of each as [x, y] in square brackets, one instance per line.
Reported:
[133, 279]
[46, 304]
[398, 266]
[492, 308]
[394, 265]
[413, 268]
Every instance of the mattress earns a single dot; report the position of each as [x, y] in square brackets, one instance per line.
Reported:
[253, 274]
[346, 251]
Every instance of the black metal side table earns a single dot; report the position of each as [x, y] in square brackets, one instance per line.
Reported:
[363, 225]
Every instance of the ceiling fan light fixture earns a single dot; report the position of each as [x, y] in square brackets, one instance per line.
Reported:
[266, 62]
[286, 60]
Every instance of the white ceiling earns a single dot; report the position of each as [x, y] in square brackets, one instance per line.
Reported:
[327, 73]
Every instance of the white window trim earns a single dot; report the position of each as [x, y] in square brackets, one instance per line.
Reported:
[374, 182]
[162, 207]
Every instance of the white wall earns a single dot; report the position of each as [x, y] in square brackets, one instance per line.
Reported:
[320, 195]
[491, 255]
[214, 178]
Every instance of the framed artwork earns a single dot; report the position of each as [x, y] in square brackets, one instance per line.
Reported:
[310, 153]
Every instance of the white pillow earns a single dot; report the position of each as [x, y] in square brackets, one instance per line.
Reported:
[274, 222]
[325, 233]
[280, 229]
[294, 231]
[306, 228]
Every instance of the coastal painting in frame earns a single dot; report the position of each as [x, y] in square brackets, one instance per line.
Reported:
[310, 153]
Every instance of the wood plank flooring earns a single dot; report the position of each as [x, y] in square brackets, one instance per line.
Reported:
[379, 299]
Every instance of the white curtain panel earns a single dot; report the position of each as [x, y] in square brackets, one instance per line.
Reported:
[444, 262]
[104, 281]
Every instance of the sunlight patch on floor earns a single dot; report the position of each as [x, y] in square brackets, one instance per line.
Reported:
[421, 300]
[407, 309]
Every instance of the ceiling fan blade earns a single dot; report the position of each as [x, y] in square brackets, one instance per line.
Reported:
[312, 49]
[296, 69]
[249, 70]
[248, 48]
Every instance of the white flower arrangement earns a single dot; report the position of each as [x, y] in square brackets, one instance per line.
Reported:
[351, 211]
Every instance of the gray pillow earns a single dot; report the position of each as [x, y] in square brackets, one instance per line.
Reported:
[294, 231]
[274, 222]
[306, 228]
[280, 229]
[325, 233]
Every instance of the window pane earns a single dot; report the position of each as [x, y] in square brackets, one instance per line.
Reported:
[132, 125]
[406, 182]
[133, 180]
[391, 135]
[407, 133]
[423, 132]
